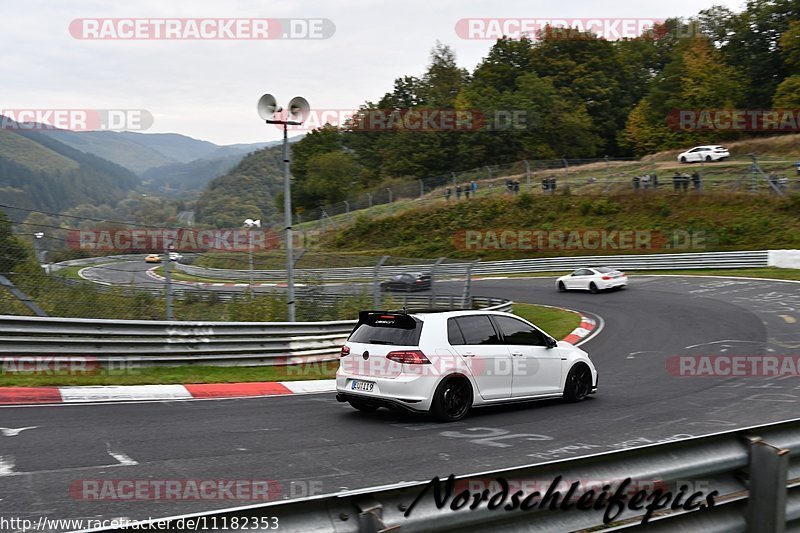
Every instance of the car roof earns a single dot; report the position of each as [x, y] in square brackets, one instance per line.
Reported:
[461, 312]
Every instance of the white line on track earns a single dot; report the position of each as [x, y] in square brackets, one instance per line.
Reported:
[123, 459]
[6, 465]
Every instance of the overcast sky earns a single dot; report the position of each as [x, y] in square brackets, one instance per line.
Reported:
[208, 89]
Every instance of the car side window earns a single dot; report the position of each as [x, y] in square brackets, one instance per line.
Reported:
[478, 329]
[583, 272]
[454, 335]
[518, 332]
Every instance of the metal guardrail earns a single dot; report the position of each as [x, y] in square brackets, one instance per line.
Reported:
[746, 259]
[754, 471]
[151, 342]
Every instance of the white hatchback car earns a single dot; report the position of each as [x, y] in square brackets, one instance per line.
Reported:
[704, 153]
[446, 363]
[593, 279]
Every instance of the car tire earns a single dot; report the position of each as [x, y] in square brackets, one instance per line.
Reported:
[708, 158]
[363, 406]
[578, 384]
[593, 288]
[561, 287]
[452, 399]
[683, 159]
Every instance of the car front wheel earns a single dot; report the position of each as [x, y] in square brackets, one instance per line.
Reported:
[452, 399]
[683, 159]
[561, 287]
[579, 383]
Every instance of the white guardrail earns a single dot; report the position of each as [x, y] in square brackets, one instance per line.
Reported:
[747, 259]
[165, 343]
[744, 480]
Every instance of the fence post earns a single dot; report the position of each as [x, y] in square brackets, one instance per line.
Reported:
[466, 297]
[528, 174]
[376, 284]
[766, 504]
[433, 277]
[168, 281]
[21, 296]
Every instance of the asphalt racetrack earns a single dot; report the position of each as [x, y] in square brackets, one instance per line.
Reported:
[310, 444]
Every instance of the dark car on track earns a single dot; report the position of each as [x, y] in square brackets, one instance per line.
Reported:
[407, 282]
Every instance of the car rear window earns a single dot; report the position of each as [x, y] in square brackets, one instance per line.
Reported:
[478, 329]
[386, 328]
[605, 270]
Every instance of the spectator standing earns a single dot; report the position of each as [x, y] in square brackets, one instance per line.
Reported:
[447, 193]
[646, 181]
[466, 191]
[676, 181]
[654, 178]
[546, 185]
[685, 182]
[516, 187]
[474, 187]
[695, 181]
[458, 192]
[553, 184]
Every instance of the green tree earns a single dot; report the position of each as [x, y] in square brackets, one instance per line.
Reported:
[329, 179]
[13, 252]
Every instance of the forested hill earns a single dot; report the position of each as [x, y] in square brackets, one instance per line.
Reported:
[250, 190]
[41, 173]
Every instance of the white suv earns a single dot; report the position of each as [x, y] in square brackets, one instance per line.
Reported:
[446, 363]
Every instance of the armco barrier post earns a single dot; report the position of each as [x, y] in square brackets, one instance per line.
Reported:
[376, 284]
[766, 505]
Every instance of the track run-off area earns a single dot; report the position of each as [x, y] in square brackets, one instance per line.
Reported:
[311, 444]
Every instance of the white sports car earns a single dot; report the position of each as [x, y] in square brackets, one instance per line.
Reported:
[592, 279]
[704, 153]
[447, 363]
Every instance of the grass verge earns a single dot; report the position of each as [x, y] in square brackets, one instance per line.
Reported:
[557, 322]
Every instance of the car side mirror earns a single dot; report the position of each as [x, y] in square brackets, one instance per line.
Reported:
[551, 342]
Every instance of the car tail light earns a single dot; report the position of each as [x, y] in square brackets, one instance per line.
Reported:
[345, 351]
[606, 278]
[418, 281]
[408, 357]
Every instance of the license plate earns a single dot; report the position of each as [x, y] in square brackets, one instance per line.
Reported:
[365, 386]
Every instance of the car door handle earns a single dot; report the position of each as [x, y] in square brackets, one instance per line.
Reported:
[469, 354]
[517, 354]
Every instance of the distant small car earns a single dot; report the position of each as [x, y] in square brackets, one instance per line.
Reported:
[592, 279]
[175, 256]
[152, 258]
[407, 282]
[704, 153]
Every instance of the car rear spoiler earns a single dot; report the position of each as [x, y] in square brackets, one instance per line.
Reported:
[387, 319]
